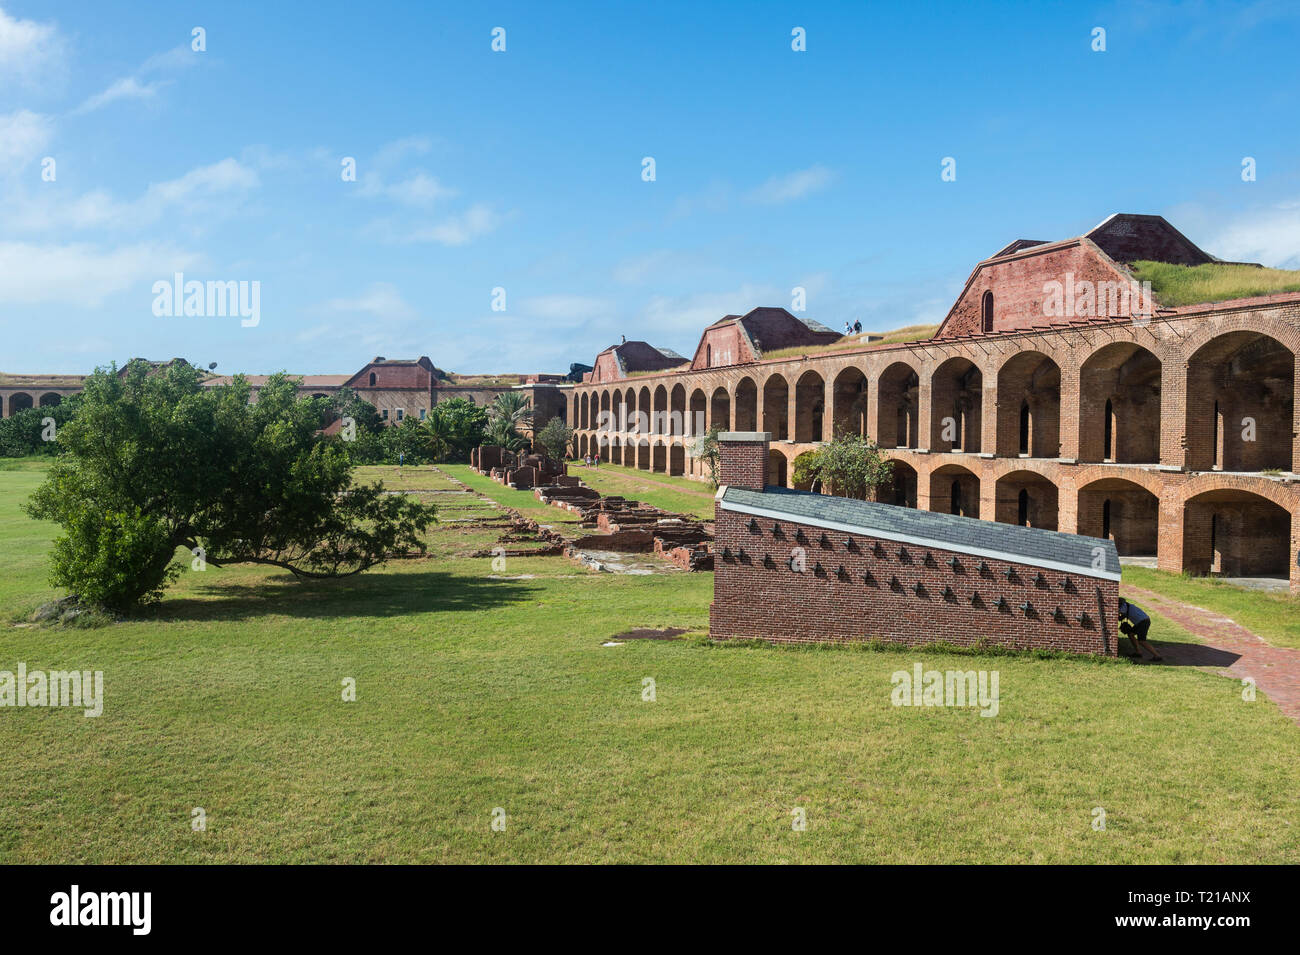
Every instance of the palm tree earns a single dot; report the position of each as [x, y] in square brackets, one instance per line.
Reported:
[508, 412]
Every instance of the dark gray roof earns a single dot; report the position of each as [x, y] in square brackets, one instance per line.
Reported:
[813, 325]
[1029, 545]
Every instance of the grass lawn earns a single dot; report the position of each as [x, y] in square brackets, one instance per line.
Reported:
[479, 689]
[1275, 617]
[678, 494]
[1175, 285]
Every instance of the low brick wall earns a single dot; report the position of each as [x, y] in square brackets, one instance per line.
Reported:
[869, 591]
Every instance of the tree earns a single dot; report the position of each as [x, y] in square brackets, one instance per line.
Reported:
[555, 438]
[705, 448]
[508, 412]
[456, 427]
[850, 466]
[29, 431]
[153, 461]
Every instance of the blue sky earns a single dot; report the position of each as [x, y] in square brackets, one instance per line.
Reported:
[523, 169]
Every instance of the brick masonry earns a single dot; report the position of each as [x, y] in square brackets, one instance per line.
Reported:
[878, 589]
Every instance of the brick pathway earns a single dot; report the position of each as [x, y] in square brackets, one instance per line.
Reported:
[1229, 647]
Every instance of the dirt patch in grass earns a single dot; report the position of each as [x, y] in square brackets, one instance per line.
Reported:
[646, 633]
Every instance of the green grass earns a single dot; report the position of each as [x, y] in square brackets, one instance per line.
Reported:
[911, 333]
[677, 494]
[1273, 616]
[478, 690]
[1175, 285]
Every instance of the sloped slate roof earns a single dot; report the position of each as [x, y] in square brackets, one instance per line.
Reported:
[1051, 550]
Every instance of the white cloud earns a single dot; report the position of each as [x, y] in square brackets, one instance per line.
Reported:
[202, 194]
[381, 300]
[28, 50]
[23, 137]
[1270, 237]
[561, 310]
[478, 220]
[679, 320]
[127, 88]
[83, 274]
[416, 190]
[794, 185]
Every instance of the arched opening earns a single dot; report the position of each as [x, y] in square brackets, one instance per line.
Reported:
[676, 459]
[986, 313]
[900, 490]
[659, 417]
[1119, 405]
[809, 407]
[584, 420]
[956, 403]
[1121, 511]
[19, 402]
[659, 457]
[1240, 393]
[52, 398]
[708, 356]
[746, 405]
[643, 453]
[644, 411]
[1236, 534]
[676, 411]
[697, 421]
[776, 411]
[1029, 407]
[849, 400]
[629, 411]
[897, 407]
[955, 490]
[776, 469]
[605, 421]
[1026, 498]
[720, 410]
[373, 379]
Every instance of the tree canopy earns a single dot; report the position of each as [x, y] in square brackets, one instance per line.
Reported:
[850, 466]
[152, 461]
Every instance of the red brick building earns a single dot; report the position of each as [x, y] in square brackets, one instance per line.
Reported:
[1048, 398]
[796, 567]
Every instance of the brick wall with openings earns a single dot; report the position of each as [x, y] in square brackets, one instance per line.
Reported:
[857, 587]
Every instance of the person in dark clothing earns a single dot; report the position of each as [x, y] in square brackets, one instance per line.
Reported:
[857, 328]
[1134, 622]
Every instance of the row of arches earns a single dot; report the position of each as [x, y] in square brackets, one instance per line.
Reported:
[1237, 397]
[1226, 531]
[21, 400]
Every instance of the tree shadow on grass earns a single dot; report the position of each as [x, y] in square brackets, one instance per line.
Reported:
[372, 594]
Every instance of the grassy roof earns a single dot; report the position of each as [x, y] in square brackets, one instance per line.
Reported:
[911, 333]
[1175, 285]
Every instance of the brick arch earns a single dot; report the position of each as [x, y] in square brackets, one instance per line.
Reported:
[898, 389]
[1268, 490]
[956, 393]
[809, 407]
[849, 401]
[1235, 376]
[1285, 334]
[1081, 478]
[954, 489]
[1124, 509]
[1029, 405]
[1027, 496]
[676, 409]
[1237, 528]
[1120, 394]
[776, 406]
[744, 404]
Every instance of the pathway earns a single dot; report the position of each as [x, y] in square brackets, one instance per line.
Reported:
[1229, 647]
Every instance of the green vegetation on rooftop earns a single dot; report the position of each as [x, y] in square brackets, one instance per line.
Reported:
[1175, 285]
[909, 333]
